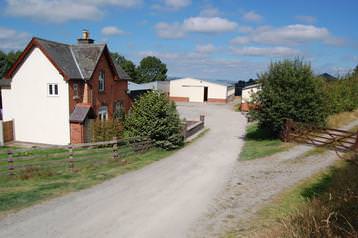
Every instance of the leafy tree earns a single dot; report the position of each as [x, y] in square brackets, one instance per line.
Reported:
[154, 116]
[6, 60]
[151, 69]
[127, 65]
[3, 64]
[289, 90]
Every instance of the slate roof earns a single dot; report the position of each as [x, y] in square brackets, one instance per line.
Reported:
[80, 113]
[77, 61]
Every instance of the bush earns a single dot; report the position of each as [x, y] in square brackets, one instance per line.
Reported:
[342, 94]
[107, 130]
[289, 90]
[154, 116]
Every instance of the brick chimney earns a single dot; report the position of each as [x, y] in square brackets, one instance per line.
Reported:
[85, 38]
[86, 94]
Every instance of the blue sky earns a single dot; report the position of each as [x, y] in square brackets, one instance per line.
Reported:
[223, 40]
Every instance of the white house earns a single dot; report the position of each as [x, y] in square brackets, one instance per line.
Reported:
[54, 88]
[197, 90]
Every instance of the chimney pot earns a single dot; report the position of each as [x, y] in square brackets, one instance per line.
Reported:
[85, 38]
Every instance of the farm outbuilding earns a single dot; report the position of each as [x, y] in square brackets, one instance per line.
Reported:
[197, 90]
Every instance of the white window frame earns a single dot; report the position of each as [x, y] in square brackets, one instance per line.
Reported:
[52, 90]
[101, 81]
[103, 113]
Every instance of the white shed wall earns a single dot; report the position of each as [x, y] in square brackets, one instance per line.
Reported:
[38, 118]
[194, 89]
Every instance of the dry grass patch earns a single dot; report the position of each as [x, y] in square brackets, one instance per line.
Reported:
[341, 119]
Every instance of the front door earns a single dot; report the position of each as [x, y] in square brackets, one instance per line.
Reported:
[205, 94]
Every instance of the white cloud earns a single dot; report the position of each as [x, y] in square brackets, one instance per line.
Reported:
[169, 31]
[112, 31]
[194, 24]
[306, 19]
[209, 11]
[289, 35]
[209, 24]
[270, 51]
[11, 39]
[241, 40]
[63, 10]
[177, 4]
[205, 49]
[252, 16]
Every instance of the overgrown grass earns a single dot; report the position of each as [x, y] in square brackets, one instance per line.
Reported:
[325, 205]
[341, 119]
[260, 143]
[33, 184]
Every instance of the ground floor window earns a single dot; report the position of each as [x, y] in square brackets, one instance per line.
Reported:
[103, 113]
[118, 110]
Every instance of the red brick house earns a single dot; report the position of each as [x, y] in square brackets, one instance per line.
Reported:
[56, 88]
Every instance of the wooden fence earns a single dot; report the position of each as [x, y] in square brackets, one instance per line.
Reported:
[72, 157]
[190, 128]
[339, 140]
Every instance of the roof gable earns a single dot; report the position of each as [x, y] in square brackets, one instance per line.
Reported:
[72, 61]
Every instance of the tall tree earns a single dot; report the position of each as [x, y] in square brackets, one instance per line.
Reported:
[151, 69]
[127, 65]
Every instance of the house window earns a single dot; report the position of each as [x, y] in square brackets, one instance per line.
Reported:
[75, 90]
[101, 81]
[118, 111]
[52, 89]
[103, 113]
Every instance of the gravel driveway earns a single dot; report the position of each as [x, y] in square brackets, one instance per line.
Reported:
[165, 199]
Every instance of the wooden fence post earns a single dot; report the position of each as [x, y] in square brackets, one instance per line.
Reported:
[115, 149]
[355, 147]
[10, 161]
[185, 127]
[70, 158]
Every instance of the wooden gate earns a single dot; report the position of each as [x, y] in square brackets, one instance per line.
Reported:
[339, 140]
[8, 130]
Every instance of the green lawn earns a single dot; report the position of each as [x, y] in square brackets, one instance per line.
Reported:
[36, 184]
[259, 143]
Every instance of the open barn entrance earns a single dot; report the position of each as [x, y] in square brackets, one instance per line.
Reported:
[205, 94]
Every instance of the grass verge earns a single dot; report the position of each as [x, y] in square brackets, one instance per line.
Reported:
[325, 205]
[259, 143]
[35, 185]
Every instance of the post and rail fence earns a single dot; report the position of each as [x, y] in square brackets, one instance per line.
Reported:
[15, 161]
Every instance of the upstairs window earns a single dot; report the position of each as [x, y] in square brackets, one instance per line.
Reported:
[103, 113]
[101, 81]
[52, 89]
[75, 91]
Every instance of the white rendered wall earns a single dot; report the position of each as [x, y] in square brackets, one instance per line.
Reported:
[194, 89]
[38, 118]
[247, 94]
